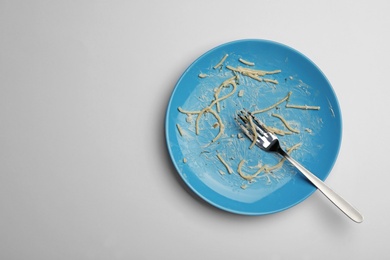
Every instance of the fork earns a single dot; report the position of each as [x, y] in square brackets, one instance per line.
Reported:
[267, 141]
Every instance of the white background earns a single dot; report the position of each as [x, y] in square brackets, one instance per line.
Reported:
[84, 169]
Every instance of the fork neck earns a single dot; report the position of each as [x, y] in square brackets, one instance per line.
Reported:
[280, 151]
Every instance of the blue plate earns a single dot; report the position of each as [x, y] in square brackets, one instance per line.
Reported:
[195, 156]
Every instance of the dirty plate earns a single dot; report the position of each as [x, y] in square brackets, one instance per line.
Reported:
[203, 163]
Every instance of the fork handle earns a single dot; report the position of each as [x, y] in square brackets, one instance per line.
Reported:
[336, 199]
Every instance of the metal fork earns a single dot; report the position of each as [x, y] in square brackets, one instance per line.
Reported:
[267, 141]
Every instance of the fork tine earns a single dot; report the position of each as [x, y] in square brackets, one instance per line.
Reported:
[243, 115]
[259, 125]
[263, 137]
[244, 128]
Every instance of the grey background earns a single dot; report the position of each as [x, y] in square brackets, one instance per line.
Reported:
[84, 170]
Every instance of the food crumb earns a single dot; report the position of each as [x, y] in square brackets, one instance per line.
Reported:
[249, 63]
[240, 93]
[181, 132]
[184, 160]
[220, 63]
[308, 130]
[202, 75]
[228, 168]
[244, 186]
[189, 118]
